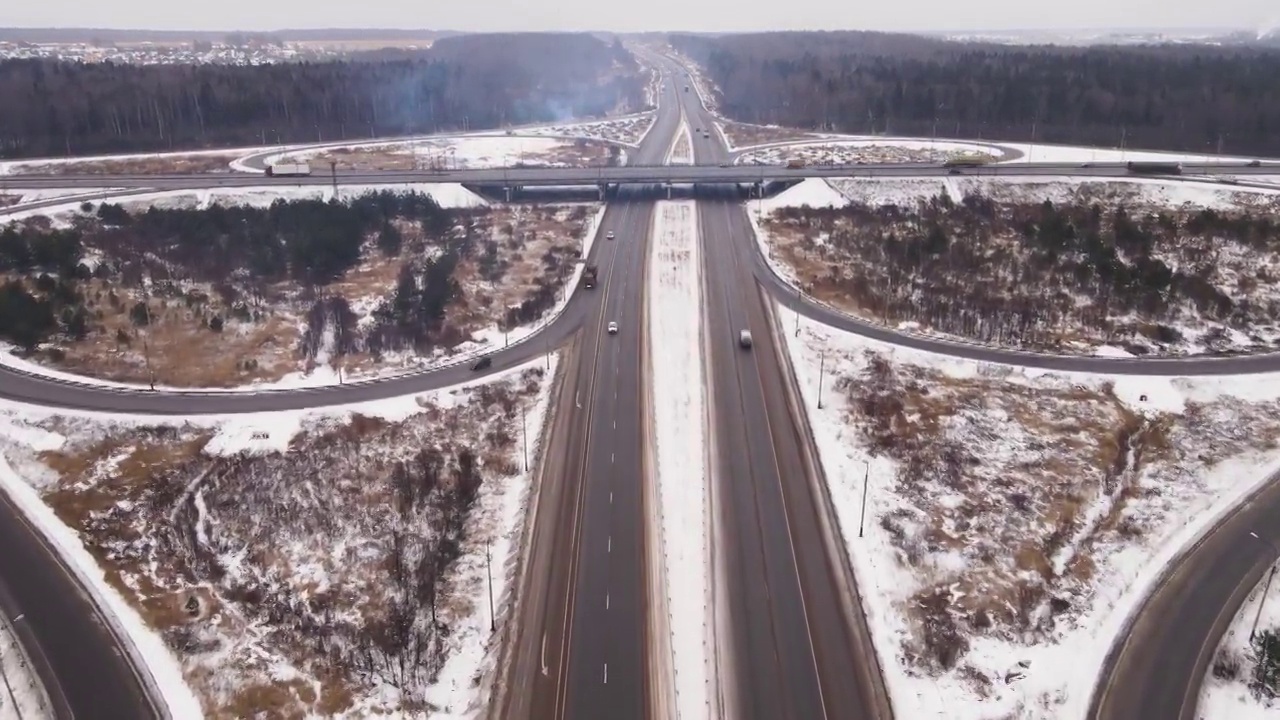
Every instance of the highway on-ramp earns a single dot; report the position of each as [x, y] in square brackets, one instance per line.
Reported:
[1157, 665]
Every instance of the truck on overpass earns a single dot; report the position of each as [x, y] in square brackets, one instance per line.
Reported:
[288, 170]
[1155, 168]
[967, 160]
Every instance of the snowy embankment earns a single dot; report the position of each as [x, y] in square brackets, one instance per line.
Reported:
[22, 695]
[237, 661]
[1226, 693]
[678, 398]
[996, 578]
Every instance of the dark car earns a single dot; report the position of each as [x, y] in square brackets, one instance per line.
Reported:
[482, 364]
[1255, 163]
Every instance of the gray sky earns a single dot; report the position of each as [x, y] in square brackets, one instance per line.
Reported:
[630, 15]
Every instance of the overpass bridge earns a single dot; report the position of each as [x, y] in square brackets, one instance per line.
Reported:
[607, 179]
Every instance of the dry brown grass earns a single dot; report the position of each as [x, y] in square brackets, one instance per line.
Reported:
[1001, 475]
[158, 165]
[177, 347]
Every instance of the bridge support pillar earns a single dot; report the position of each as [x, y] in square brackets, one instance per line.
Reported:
[668, 191]
[602, 189]
[758, 189]
[506, 190]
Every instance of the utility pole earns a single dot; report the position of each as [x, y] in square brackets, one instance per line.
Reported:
[488, 569]
[146, 349]
[822, 361]
[524, 437]
[865, 478]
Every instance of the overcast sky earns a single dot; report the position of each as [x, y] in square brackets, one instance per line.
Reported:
[631, 15]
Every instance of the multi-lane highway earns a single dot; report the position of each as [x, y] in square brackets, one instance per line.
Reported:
[580, 643]
[798, 642]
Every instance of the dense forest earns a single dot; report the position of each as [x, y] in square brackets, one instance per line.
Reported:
[52, 108]
[1178, 97]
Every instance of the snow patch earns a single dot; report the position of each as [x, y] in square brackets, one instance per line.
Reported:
[678, 386]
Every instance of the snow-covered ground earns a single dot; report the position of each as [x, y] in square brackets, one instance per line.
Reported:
[827, 148]
[449, 195]
[1133, 191]
[678, 397]
[223, 664]
[866, 150]
[1225, 694]
[1043, 153]
[464, 152]
[681, 152]
[969, 618]
[14, 167]
[629, 130]
[22, 695]
[27, 196]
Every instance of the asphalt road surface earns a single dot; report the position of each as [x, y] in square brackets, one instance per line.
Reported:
[581, 644]
[800, 648]
[75, 654]
[1157, 665]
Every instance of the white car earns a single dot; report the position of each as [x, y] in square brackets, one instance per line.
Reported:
[608, 235]
[613, 328]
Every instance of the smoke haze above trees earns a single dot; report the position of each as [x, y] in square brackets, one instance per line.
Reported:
[51, 108]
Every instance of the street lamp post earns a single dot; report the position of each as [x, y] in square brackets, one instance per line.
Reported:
[866, 477]
[488, 569]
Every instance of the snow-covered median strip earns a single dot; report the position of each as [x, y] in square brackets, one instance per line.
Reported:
[679, 409]
[681, 152]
